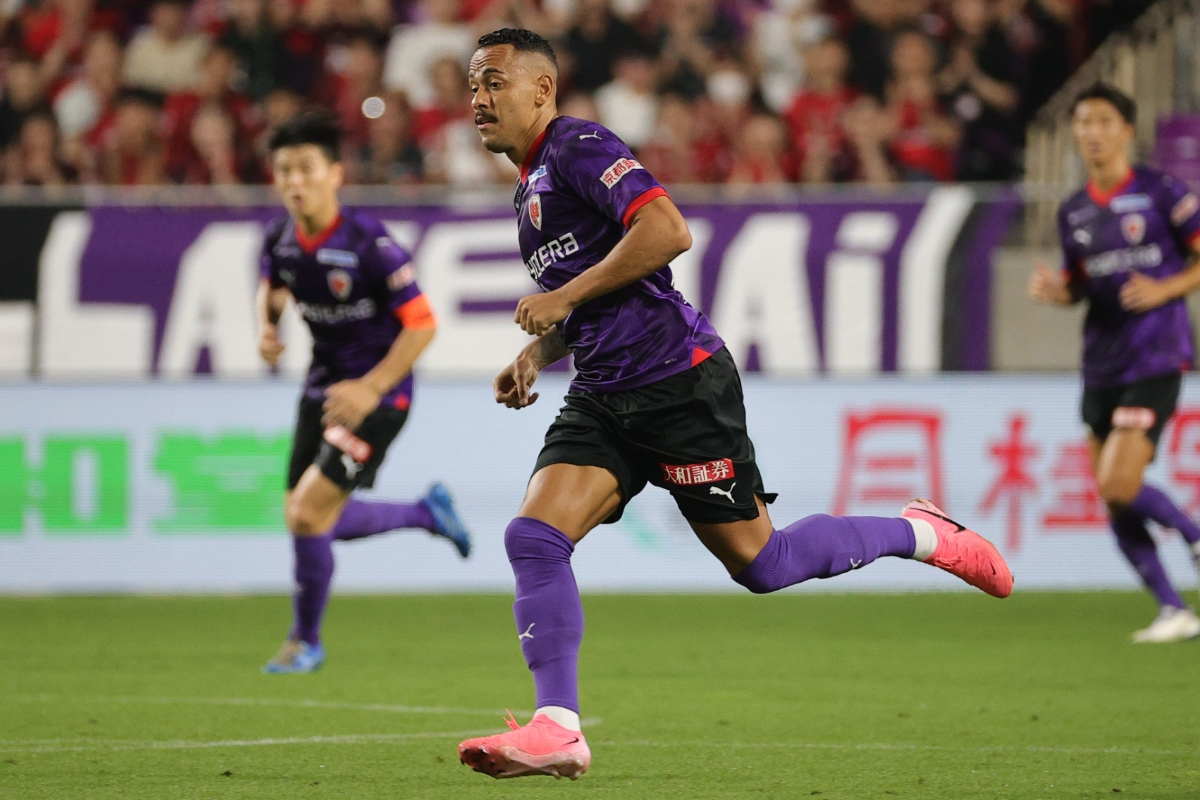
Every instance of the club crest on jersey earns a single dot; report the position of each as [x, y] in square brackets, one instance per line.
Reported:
[619, 169]
[1133, 226]
[535, 211]
[340, 283]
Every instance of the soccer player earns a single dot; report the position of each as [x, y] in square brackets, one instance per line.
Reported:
[354, 287]
[656, 399]
[1129, 239]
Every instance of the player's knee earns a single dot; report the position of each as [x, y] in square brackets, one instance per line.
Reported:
[304, 520]
[1117, 491]
[526, 537]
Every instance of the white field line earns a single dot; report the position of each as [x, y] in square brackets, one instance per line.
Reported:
[267, 702]
[898, 746]
[367, 738]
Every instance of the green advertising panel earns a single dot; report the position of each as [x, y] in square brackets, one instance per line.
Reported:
[229, 482]
[82, 486]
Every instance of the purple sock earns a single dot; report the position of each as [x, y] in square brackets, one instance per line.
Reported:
[1138, 547]
[1151, 503]
[821, 546]
[314, 571]
[360, 519]
[548, 611]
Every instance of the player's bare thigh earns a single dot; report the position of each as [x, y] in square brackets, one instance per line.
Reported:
[313, 507]
[571, 498]
[1119, 463]
[736, 544]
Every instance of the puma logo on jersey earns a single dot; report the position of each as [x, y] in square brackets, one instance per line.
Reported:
[720, 491]
[589, 135]
[527, 634]
[855, 564]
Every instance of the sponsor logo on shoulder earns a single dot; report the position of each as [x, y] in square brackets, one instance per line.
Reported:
[1081, 215]
[1130, 202]
[619, 169]
[401, 278]
[1133, 226]
[1185, 209]
[1141, 419]
[340, 283]
[337, 258]
[287, 251]
[535, 211]
[693, 474]
[540, 172]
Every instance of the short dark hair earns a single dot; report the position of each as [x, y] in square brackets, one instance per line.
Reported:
[1122, 102]
[314, 127]
[521, 39]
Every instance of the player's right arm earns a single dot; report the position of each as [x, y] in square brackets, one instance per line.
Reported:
[1061, 287]
[512, 385]
[269, 304]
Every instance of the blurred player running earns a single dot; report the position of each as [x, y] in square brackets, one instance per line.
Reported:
[657, 399]
[370, 323]
[1127, 241]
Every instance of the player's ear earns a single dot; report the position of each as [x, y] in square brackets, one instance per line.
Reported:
[337, 172]
[546, 89]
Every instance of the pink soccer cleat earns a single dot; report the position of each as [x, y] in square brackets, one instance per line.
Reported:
[543, 747]
[963, 553]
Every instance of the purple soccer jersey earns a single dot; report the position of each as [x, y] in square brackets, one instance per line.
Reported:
[1149, 224]
[354, 287]
[578, 189]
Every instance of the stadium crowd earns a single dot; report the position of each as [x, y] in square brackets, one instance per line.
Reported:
[710, 91]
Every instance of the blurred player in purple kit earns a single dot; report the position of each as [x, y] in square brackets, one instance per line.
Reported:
[656, 399]
[1129, 239]
[354, 287]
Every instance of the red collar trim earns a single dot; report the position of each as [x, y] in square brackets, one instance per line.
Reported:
[532, 154]
[309, 244]
[1102, 199]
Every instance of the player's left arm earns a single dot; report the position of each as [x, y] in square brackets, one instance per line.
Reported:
[657, 234]
[349, 402]
[1142, 293]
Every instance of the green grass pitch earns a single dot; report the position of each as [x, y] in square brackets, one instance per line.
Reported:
[832, 697]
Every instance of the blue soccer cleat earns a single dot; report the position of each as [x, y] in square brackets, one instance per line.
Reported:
[446, 521]
[296, 657]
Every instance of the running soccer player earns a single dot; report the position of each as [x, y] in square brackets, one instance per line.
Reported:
[656, 399]
[354, 287]
[1129, 239]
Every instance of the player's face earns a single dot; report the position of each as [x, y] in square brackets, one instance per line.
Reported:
[306, 179]
[508, 90]
[1100, 131]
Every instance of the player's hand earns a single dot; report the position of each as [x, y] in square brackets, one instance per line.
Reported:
[513, 384]
[538, 313]
[269, 346]
[1142, 293]
[1048, 286]
[347, 403]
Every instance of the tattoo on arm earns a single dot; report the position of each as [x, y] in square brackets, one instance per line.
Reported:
[548, 348]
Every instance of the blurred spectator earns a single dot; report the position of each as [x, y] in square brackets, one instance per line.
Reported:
[416, 47]
[36, 159]
[758, 157]
[868, 129]
[870, 43]
[214, 142]
[822, 151]
[594, 42]
[359, 80]
[581, 105]
[164, 56]
[685, 147]
[628, 106]
[258, 45]
[730, 93]
[977, 87]
[184, 161]
[1038, 32]
[923, 138]
[23, 96]
[347, 17]
[451, 98]
[84, 106]
[132, 153]
[696, 35]
[782, 32]
[390, 155]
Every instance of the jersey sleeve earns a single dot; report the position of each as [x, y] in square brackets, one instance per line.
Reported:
[268, 269]
[1072, 266]
[1182, 209]
[392, 265]
[603, 171]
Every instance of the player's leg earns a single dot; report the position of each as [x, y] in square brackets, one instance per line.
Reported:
[580, 481]
[1119, 462]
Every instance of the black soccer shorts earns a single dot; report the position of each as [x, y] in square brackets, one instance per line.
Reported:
[686, 434]
[348, 459]
[1146, 404]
